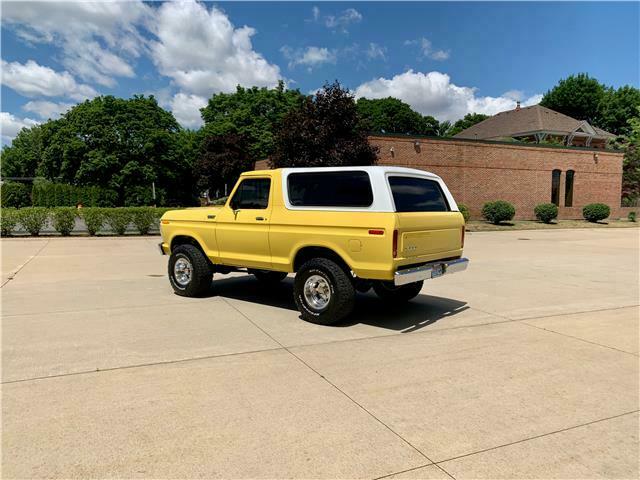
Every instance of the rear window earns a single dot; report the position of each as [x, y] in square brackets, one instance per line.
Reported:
[330, 189]
[411, 194]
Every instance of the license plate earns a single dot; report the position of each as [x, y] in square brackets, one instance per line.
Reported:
[437, 270]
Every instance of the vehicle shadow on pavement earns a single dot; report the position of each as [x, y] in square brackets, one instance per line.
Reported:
[422, 311]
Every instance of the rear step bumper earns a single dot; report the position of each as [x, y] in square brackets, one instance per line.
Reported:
[430, 270]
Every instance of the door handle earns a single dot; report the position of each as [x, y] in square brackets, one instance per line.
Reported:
[260, 219]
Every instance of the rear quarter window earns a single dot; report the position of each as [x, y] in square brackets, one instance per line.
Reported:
[330, 189]
[413, 194]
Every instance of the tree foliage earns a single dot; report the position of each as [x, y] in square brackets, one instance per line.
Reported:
[221, 161]
[578, 96]
[631, 163]
[121, 144]
[390, 115]
[469, 120]
[323, 131]
[251, 113]
[616, 108]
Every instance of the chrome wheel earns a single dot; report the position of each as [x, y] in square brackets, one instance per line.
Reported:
[317, 292]
[182, 271]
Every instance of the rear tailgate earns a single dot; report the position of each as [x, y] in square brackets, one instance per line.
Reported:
[428, 225]
[428, 233]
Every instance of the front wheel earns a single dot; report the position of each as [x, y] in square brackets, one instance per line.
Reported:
[189, 271]
[323, 292]
[389, 292]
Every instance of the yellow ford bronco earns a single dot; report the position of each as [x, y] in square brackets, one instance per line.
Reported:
[340, 230]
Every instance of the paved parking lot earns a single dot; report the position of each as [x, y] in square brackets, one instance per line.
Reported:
[526, 365]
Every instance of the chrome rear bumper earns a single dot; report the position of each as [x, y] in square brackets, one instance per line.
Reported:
[430, 270]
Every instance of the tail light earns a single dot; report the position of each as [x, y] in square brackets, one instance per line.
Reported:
[462, 237]
[395, 244]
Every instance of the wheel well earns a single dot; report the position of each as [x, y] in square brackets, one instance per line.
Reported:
[307, 253]
[185, 240]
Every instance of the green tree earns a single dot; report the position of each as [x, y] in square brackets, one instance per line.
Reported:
[222, 159]
[390, 115]
[469, 120]
[252, 113]
[323, 131]
[443, 128]
[578, 96]
[616, 108]
[121, 144]
[631, 164]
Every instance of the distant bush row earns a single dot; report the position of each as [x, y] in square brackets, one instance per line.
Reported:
[502, 211]
[96, 219]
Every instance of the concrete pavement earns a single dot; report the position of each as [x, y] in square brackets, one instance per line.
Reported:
[524, 366]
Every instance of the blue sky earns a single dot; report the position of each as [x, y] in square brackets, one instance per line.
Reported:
[444, 59]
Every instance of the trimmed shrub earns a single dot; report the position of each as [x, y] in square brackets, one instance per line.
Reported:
[464, 210]
[498, 211]
[33, 219]
[143, 218]
[64, 219]
[632, 216]
[118, 219]
[47, 194]
[8, 220]
[594, 212]
[93, 218]
[14, 194]
[545, 212]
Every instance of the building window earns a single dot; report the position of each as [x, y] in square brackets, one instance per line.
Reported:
[568, 189]
[555, 187]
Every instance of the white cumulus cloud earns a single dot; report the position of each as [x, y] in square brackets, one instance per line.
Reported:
[31, 79]
[10, 125]
[97, 39]
[434, 94]
[427, 50]
[203, 53]
[186, 108]
[46, 109]
[309, 57]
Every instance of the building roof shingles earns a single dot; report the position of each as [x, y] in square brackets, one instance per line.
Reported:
[526, 120]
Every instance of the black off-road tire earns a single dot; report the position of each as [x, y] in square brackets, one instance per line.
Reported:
[389, 292]
[201, 273]
[268, 277]
[341, 287]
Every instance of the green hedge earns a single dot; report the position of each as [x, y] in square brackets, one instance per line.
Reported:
[33, 219]
[464, 210]
[64, 195]
[8, 220]
[93, 218]
[14, 195]
[545, 212]
[594, 212]
[498, 211]
[64, 219]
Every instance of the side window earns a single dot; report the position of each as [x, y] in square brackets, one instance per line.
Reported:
[330, 189]
[555, 187]
[252, 193]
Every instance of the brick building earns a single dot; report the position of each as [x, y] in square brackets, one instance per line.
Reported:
[478, 171]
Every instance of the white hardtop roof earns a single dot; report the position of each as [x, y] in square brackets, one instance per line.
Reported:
[371, 169]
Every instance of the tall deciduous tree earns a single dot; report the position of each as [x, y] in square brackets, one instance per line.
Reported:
[631, 163]
[616, 108]
[578, 96]
[323, 131]
[221, 161]
[469, 120]
[252, 113]
[390, 115]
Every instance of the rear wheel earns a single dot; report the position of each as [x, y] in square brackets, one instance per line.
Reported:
[389, 292]
[189, 271]
[268, 277]
[323, 291]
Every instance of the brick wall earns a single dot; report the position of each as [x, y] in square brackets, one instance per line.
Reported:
[477, 172]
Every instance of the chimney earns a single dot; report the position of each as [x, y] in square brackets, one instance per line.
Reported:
[518, 105]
